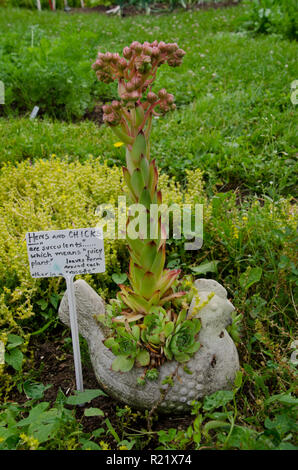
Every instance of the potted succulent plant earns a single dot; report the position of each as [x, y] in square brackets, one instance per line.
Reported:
[159, 326]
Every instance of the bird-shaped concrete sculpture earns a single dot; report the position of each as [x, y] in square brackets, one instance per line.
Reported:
[212, 368]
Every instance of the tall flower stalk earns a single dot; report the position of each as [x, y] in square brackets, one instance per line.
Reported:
[130, 118]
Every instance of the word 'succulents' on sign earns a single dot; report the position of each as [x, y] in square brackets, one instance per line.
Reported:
[67, 253]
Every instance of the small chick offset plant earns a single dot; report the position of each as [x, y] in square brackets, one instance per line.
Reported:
[147, 327]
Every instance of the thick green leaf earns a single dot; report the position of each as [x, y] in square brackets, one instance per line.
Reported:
[128, 444]
[145, 198]
[148, 285]
[98, 432]
[285, 398]
[112, 430]
[110, 342]
[84, 397]
[36, 414]
[6, 433]
[287, 446]
[193, 348]
[136, 332]
[138, 148]
[122, 364]
[182, 357]
[143, 358]
[154, 339]
[144, 166]
[14, 359]
[34, 390]
[206, 267]
[169, 328]
[217, 399]
[250, 277]
[55, 299]
[137, 182]
[119, 278]
[168, 353]
[43, 304]
[14, 341]
[216, 424]
[89, 445]
[187, 370]
[44, 432]
[93, 412]
[238, 379]
[181, 318]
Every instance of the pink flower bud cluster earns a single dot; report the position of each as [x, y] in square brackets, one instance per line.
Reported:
[139, 62]
[106, 64]
[163, 99]
[135, 73]
[111, 114]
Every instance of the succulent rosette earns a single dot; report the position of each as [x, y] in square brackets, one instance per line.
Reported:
[126, 347]
[183, 343]
[156, 328]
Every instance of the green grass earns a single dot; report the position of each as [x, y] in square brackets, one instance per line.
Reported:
[235, 119]
[236, 122]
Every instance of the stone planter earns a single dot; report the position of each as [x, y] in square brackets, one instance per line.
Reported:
[213, 366]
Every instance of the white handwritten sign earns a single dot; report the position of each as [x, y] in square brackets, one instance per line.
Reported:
[66, 252]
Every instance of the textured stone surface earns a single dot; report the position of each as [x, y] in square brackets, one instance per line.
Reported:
[213, 366]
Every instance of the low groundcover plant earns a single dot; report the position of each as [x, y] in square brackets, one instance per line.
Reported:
[148, 320]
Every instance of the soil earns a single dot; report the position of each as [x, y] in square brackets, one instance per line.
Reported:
[96, 114]
[159, 8]
[57, 369]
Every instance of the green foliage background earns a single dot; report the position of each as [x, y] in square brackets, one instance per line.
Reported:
[235, 128]
[273, 16]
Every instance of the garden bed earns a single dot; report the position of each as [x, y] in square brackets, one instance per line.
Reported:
[56, 368]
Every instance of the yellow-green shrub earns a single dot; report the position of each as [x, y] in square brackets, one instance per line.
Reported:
[46, 196]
